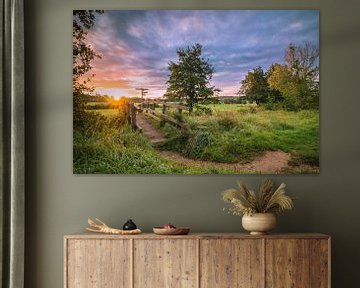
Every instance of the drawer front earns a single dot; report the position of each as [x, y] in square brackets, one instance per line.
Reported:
[98, 263]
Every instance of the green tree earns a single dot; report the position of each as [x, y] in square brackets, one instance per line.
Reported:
[275, 97]
[297, 80]
[83, 55]
[303, 62]
[190, 77]
[255, 86]
[297, 92]
[282, 80]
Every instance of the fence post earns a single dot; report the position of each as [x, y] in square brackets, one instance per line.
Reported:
[133, 116]
[127, 113]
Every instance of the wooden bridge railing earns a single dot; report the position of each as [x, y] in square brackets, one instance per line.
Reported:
[132, 109]
[149, 107]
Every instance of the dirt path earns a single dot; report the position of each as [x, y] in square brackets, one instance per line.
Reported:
[153, 134]
[271, 162]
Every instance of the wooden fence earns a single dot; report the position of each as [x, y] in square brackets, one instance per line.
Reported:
[148, 107]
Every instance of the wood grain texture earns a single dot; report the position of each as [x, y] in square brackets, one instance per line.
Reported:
[98, 263]
[231, 263]
[197, 260]
[164, 263]
[287, 263]
[319, 263]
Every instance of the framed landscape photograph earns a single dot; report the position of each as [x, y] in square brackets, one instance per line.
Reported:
[196, 92]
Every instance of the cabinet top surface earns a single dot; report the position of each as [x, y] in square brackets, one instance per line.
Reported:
[87, 235]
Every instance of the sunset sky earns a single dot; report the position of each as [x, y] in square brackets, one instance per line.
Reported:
[136, 46]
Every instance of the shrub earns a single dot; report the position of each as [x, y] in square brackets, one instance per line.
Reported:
[197, 142]
[228, 121]
[202, 110]
[178, 116]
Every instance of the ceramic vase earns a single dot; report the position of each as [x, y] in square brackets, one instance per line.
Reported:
[259, 223]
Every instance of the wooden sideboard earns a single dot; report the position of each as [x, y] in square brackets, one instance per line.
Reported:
[197, 260]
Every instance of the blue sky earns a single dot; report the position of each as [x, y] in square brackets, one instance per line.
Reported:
[136, 46]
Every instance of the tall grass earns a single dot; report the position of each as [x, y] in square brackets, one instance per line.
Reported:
[110, 146]
[116, 150]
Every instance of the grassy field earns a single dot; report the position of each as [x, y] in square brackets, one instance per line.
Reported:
[238, 132]
[224, 133]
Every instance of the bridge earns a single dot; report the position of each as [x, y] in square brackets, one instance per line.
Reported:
[140, 113]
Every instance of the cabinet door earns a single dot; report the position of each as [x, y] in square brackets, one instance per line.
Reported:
[287, 263]
[231, 263]
[165, 263]
[98, 263]
[320, 263]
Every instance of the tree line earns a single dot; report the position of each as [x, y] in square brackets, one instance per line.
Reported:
[293, 85]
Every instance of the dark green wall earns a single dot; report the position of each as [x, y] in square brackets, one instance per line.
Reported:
[59, 202]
